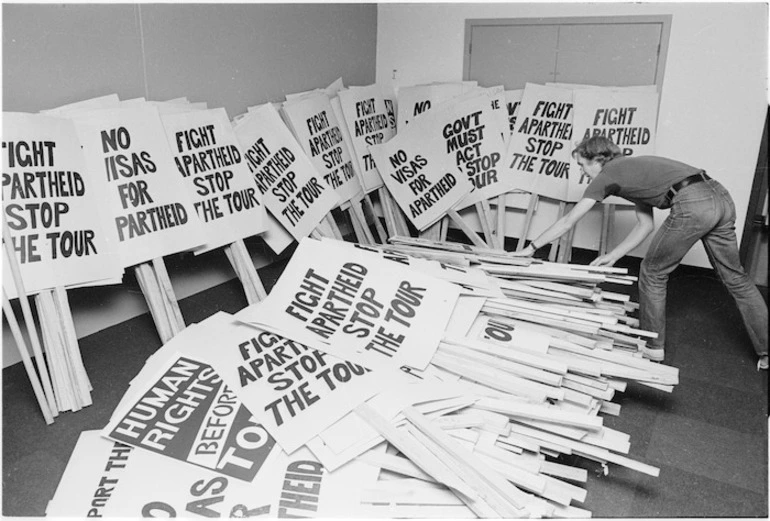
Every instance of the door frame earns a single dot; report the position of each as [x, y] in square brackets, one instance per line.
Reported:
[664, 20]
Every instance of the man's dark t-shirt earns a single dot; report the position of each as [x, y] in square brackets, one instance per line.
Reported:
[640, 179]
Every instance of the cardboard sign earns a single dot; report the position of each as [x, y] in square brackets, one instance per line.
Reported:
[317, 130]
[357, 303]
[539, 150]
[276, 236]
[418, 99]
[289, 185]
[488, 329]
[50, 203]
[110, 480]
[217, 179]
[472, 130]
[187, 413]
[369, 123]
[422, 177]
[512, 103]
[293, 391]
[627, 116]
[147, 204]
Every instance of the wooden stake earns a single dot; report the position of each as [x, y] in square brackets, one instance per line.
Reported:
[608, 217]
[387, 210]
[152, 294]
[83, 385]
[486, 227]
[418, 455]
[502, 205]
[432, 232]
[472, 235]
[52, 341]
[167, 295]
[357, 215]
[444, 229]
[382, 234]
[555, 245]
[531, 208]
[21, 345]
[29, 323]
[333, 225]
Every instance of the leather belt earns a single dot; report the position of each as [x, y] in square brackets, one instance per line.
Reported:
[687, 181]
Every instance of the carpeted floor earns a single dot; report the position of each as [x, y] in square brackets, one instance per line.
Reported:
[708, 437]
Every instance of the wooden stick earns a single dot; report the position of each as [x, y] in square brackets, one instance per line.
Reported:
[387, 210]
[167, 295]
[565, 241]
[256, 282]
[333, 225]
[49, 332]
[83, 384]
[237, 263]
[29, 322]
[151, 291]
[472, 235]
[555, 245]
[484, 221]
[444, 229]
[506, 499]
[487, 209]
[502, 209]
[403, 228]
[358, 232]
[432, 232]
[418, 455]
[608, 216]
[21, 345]
[357, 215]
[531, 208]
[382, 234]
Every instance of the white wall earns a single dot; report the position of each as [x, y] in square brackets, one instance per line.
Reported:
[712, 105]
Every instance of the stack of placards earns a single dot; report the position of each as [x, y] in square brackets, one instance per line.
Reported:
[415, 379]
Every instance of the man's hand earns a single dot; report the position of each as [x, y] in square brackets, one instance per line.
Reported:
[604, 260]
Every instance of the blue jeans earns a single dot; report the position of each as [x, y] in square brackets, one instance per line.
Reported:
[702, 211]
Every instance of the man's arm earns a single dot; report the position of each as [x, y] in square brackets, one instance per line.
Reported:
[643, 227]
[559, 228]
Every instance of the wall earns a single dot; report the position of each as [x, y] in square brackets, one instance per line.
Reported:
[228, 55]
[712, 105]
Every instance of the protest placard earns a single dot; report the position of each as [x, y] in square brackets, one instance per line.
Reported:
[186, 412]
[488, 329]
[218, 182]
[512, 103]
[289, 185]
[146, 202]
[472, 129]
[423, 179]
[539, 150]
[50, 203]
[627, 116]
[105, 479]
[359, 305]
[317, 130]
[369, 123]
[417, 99]
[293, 391]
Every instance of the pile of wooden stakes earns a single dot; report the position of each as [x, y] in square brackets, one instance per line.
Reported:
[484, 454]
